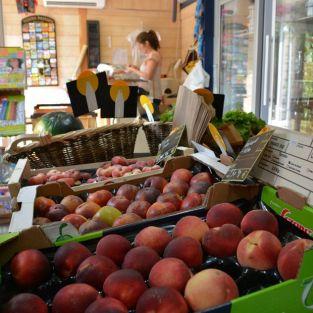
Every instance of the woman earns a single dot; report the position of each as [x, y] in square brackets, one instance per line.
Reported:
[150, 69]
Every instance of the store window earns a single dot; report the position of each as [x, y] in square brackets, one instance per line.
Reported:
[39, 41]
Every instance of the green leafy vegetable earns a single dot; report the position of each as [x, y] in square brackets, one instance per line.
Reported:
[168, 115]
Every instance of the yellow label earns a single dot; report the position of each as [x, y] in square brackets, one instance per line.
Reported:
[264, 130]
[206, 94]
[217, 137]
[83, 78]
[145, 101]
[119, 85]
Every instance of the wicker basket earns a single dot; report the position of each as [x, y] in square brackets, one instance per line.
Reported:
[78, 147]
[155, 134]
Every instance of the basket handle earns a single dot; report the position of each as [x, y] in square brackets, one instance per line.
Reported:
[43, 140]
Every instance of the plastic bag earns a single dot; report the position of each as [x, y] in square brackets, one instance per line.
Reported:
[197, 78]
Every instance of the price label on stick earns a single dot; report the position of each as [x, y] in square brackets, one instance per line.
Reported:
[217, 138]
[148, 106]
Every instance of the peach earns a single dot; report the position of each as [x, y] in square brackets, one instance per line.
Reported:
[159, 209]
[30, 268]
[42, 206]
[259, 250]
[114, 247]
[107, 305]
[126, 285]
[222, 241]
[119, 160]
[41, 220]
[94, 270]
[38, 179]
[181, 174]
[92, 226]
[75, 219]
[190, 226]
[67, 180]
[161, 300]
[186, 249]
[101, 197]
[74, 298]
[71, 202]
[57, 212]
[223, 213]
[153, 237]
[290, 257]
[170, 272]
[210, 288]
[68, 258]
[127, 218]
[139, 207]
[148, 194]
[200, 187]
[157, 182]
[128, 191]
[25, 303]
[119, 202]
[141, 259]
[178, 187]
[202, 177]
[192, 200]
[88, 209]
[170, 197]
[259, 220]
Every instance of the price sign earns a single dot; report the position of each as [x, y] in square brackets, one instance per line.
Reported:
[248, 157]
[169, 144]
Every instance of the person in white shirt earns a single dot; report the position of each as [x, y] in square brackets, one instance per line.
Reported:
[150, 69]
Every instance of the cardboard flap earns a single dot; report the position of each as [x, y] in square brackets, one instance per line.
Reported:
[31, 238]
[227, 192]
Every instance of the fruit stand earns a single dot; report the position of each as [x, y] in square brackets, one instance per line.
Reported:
[180, 236]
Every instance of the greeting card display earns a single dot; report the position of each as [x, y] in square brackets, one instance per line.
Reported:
[87, 93]
[39, 40]
[12, 115]
[120, 101]
[12, 68]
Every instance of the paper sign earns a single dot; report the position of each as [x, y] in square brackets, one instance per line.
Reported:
[288, 162]
[169, 144]
[87, 93]
[248, 157]
[148, 106]
[217, 138]
[12, 68]
[59, 231]
[120, 100]
[12, 115]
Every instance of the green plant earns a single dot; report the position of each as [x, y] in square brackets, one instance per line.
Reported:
[246, 123]
[168, 115]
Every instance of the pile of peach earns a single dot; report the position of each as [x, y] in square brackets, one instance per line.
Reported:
[130, 204]
[159, 272]
[118, 167]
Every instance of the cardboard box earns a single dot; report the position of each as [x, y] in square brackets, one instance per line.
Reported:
[22, 220]
[291, 296]
[23, 171]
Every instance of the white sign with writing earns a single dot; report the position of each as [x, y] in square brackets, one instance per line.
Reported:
[288, 162]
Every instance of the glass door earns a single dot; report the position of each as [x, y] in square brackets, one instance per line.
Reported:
[289, 99]
[237, 54]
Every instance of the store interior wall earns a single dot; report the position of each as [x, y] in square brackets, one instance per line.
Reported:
[117, 20]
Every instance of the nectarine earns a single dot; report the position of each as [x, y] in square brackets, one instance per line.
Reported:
[71, 202]
[119, 202]
[114, 247]
[210, 288]
[223, 213]
[126, 285]
[159, 209]
[101, 197]
[153, 237]
[170, 197]
[128, 191]
[107, 305]
[139, 207]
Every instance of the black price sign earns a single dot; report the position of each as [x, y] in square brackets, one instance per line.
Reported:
[248, 157]
[169, 144]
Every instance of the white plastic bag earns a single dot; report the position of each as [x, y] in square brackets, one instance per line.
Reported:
[197, 78]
